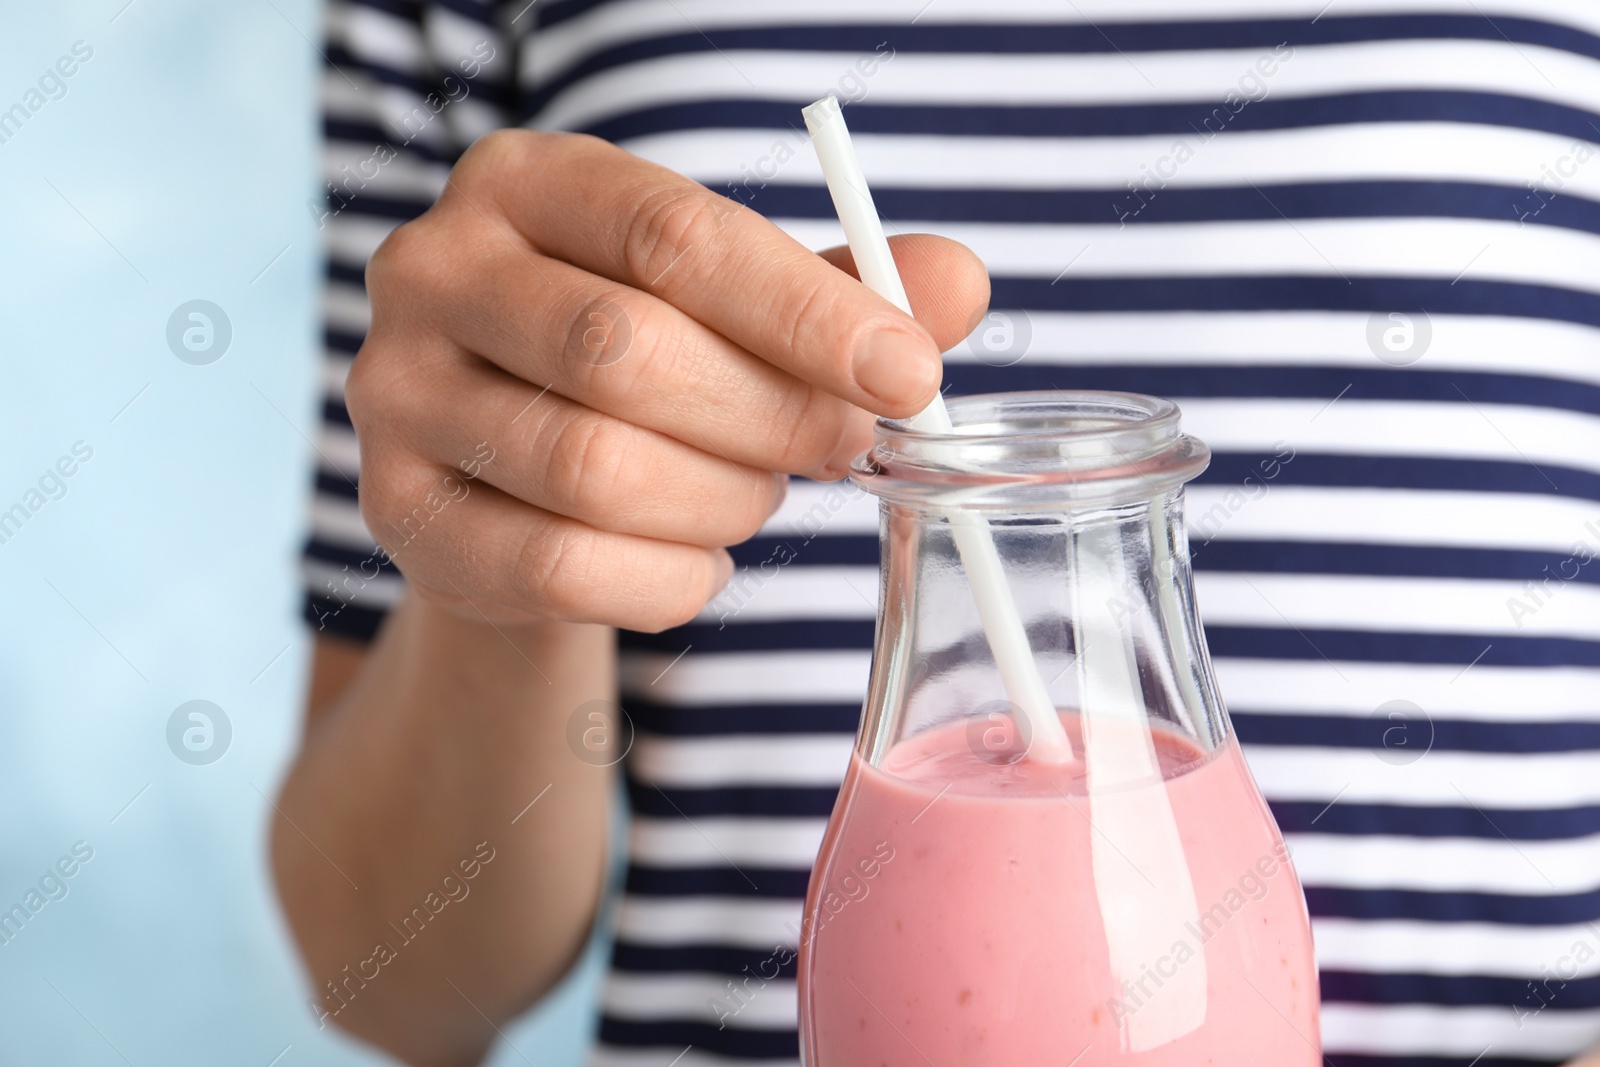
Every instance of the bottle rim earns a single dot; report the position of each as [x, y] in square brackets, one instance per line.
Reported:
[1035, 450]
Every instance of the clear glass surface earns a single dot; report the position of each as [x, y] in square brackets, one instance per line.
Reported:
[975, 904]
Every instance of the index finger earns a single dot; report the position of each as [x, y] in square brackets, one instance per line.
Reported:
[639, 224]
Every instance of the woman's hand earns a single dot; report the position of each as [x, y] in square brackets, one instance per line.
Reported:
[641, 361]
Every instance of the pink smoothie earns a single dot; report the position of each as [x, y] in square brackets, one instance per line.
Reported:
[957, 921]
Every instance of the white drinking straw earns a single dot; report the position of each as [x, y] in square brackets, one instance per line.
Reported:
[1008, 641]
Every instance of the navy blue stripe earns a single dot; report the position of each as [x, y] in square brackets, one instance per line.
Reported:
[335, 412]
[1377, 646]
[1408, 472]
[758, 636]
[365, 564]
[1119, 120]
[409, 10]
[748, 882]
[819, 550]
[332, 484]
[1422, 734]
[1400, 561]
[352, 622]
[1232, 203]
[371, 205]
[346, 273]
[344, 60]
[1461, 991]
[1288, 292]
[1352, 819]
[1553, 910]
[1371, 646]
[1260, 381]
[342, 341]
[1065, 39]
[370, 133]
[500, 94]
[486, 12]
[711, 719]
[1227, 556]
[737, 1042]
[782, 801]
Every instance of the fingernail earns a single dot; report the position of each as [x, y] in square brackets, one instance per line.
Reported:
[896, 367]
[724, 569]
[781, 494]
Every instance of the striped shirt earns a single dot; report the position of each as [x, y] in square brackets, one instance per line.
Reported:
[1358, 241]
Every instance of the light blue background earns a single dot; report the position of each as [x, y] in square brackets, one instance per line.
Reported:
[187, 145]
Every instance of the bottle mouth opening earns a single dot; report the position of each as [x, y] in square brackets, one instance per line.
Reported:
[1035, 450]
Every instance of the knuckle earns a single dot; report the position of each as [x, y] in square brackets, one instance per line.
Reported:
[667, 225]
[497, 151]
[368, 387]
[812, 317]
[555, 563]
[591, 460]
[603, 330]
[807, 428]
[682, 599]
[400, 265]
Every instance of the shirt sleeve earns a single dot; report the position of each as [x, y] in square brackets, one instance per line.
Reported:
[405, 88]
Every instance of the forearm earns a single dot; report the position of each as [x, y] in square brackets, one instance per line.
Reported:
[430, 760]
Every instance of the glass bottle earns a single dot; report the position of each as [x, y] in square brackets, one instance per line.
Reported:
[977, 905]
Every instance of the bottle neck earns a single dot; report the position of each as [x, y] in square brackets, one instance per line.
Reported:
[1112, 579]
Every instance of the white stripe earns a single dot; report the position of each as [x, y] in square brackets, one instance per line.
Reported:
[1474, 249]
[346, 308]
[1565, 952]
[333, 371]
[826, 592]
[337, 445]
[1502, 521]
[713, 841]
[752, 158]
[1481, 694]
[405, 177]
[353, 238]
[1468, 1033]
[1367, 516]
[337, 520]
[382, 592]
[1448, 865]
[1405, 605]
[814, 508]
[1524, 780]
[1478, 430]
[746, 678]
[753, 1004]
[1264, 340]
[1223, 78]
[1277, 601]
[377, 36]
[738, 921]
[742, 759]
